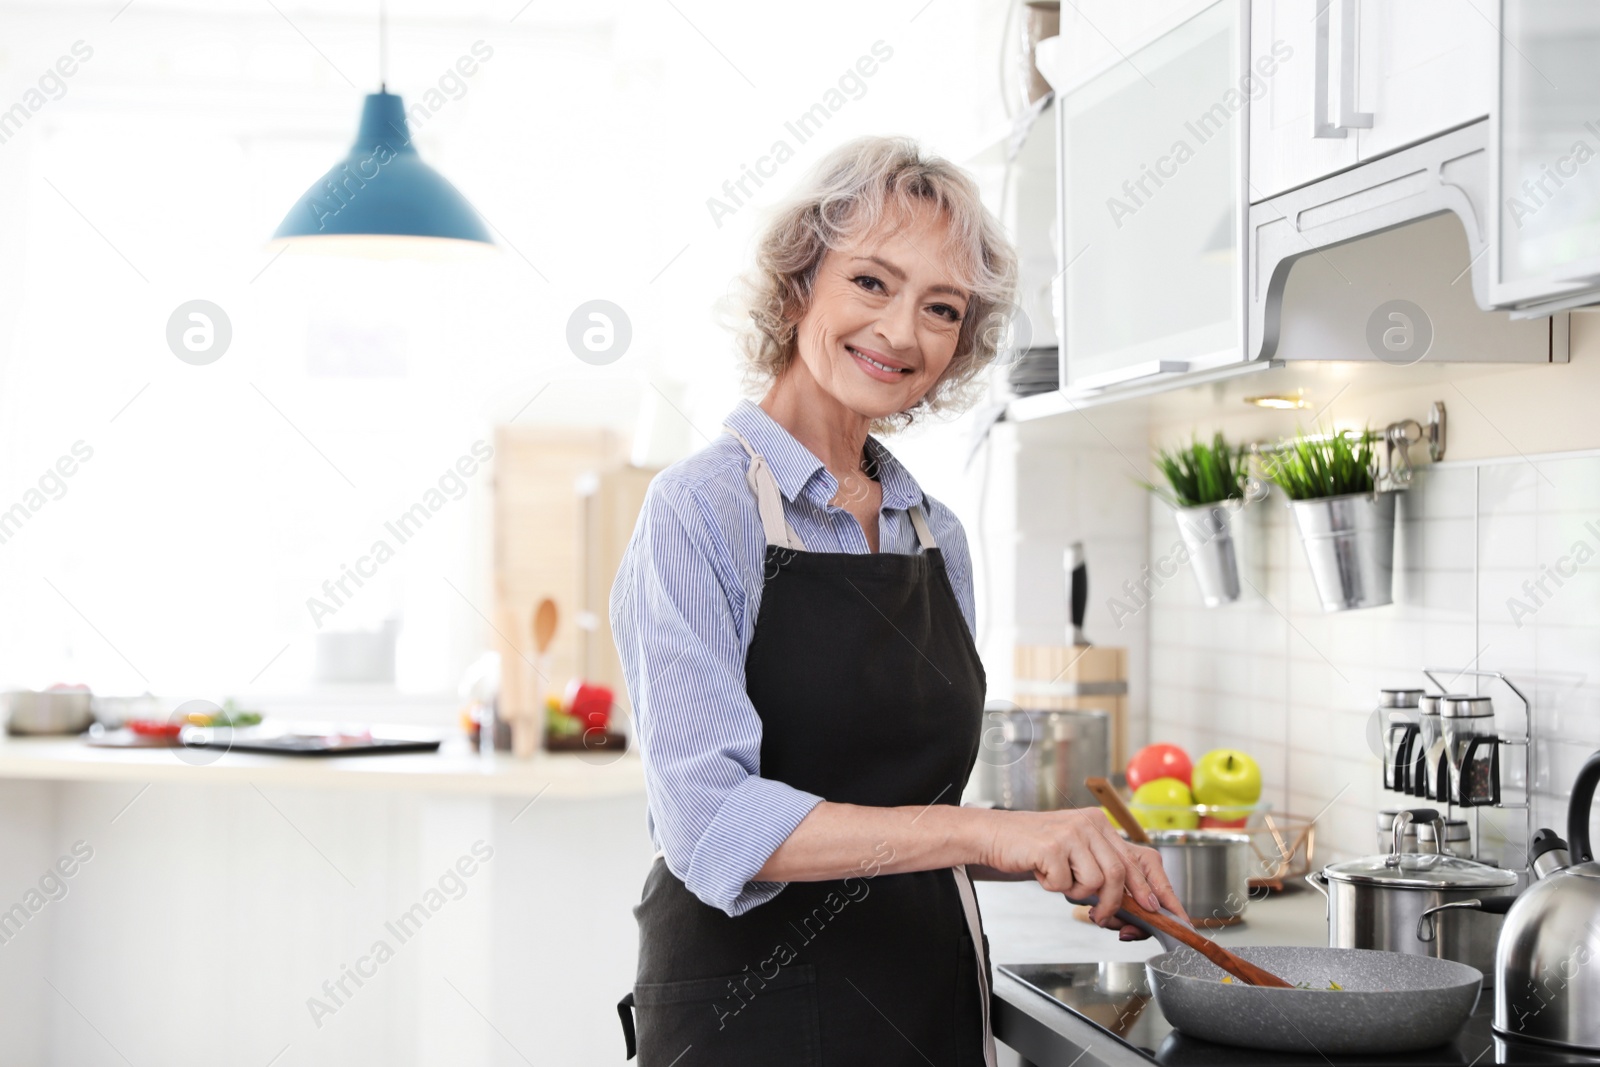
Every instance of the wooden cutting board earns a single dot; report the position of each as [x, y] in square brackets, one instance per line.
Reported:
[1077, 678]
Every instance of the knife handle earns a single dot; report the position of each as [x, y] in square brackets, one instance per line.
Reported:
[1077, 590]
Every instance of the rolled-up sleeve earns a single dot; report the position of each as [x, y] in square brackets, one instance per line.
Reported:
[677, 618]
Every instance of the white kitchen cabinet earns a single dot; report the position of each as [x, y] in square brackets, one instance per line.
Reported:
[1422, 67]
[1285, 147]
[1358, 79]
[1152, 203]
[1544, 140]
[1096, 35]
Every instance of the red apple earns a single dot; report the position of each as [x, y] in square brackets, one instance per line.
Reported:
[1159, 761]
[1211, 822]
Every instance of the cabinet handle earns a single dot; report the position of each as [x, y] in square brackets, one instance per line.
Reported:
[1349, 117]
[1132, 373]
[1320, 126]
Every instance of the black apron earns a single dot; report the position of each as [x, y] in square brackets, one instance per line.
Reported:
[870, 691]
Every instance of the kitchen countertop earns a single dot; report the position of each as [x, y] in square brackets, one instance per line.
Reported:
[1025, 924]
[455, 768]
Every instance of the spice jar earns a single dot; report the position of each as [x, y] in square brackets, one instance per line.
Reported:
[1457, 838]
[1472, 749]
[1396, 708]
[1434, 780]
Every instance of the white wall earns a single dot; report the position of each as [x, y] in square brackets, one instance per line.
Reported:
[220, 498]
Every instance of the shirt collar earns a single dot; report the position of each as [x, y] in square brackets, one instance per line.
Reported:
[794, 467]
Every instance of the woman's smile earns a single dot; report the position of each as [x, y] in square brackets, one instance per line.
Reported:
[877, 365]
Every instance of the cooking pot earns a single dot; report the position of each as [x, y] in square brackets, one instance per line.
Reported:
[1547, 984]
[1209, 870]
[1032, 760]
[1418, 902]
[62, 710]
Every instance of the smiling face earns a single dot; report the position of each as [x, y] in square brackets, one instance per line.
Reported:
[885, 317]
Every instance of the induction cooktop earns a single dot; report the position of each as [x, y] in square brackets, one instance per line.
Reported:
[1115, 997]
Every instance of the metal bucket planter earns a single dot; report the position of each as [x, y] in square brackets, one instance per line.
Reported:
[1350, 545]
[1209, 541]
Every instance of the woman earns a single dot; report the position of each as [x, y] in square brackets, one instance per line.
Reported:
[795, 619]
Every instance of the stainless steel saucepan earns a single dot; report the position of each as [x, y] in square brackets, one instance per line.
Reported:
[1209, 870]
[1036, 760]
[1419, 903]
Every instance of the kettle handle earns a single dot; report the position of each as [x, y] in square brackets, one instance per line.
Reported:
[1578, 810]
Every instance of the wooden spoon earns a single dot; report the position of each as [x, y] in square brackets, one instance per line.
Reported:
[525, 728]
[1241, 969]
[1105, 794]
[545, 617]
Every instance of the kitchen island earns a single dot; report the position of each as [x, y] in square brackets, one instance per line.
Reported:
[234, 910]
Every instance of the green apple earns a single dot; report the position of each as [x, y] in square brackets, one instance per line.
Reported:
[1161, 803]
[1227, 778]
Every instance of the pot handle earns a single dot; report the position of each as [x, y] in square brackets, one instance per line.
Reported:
[1415, 815]
[1427, 929]
[1320, 884]
[1578, 810]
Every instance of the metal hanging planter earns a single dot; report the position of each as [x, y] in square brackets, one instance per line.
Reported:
[1349, 543]
[1207, 535]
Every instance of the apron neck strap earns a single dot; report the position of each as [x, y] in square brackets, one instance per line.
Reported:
[924, 534]
[769, 500]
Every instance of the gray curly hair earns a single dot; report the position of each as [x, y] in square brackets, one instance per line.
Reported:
[857, 188]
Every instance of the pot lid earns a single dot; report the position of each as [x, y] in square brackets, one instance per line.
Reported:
[1420, 870]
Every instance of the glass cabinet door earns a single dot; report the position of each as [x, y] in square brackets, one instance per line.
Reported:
[1152, 201]
[1546, 135]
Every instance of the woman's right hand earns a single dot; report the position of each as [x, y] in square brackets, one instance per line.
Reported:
[1078, 853]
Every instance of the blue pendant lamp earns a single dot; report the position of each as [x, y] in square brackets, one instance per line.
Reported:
[382, 200]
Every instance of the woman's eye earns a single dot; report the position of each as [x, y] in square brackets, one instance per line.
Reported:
[946, 312]
[868, 282]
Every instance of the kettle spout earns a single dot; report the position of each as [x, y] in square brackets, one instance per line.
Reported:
[1548, 854]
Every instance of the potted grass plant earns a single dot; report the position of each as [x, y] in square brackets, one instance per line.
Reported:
[1346, 525]
[1205, 484]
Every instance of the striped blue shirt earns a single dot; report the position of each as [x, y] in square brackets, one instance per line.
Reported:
[683, 611]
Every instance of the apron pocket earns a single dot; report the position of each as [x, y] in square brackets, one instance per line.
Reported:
[734, 1020]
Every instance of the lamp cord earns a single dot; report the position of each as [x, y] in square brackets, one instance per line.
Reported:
[383, 46]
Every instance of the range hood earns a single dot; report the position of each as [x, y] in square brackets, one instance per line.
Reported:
[1388, 261]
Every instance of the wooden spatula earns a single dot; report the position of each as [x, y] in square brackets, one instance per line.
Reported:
[1107, 795]
[1243, 970]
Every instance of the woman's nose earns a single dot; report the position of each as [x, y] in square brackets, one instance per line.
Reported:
[898, 324]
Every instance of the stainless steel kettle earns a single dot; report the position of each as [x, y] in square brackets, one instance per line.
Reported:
[1548, 959]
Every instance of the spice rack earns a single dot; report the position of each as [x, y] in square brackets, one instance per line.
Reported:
[1525, 742]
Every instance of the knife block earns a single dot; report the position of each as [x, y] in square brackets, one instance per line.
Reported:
[1077, 678]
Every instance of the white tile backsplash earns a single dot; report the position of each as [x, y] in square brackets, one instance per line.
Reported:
[1277, 677]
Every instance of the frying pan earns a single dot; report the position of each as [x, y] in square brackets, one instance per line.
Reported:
[1390, 1002]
